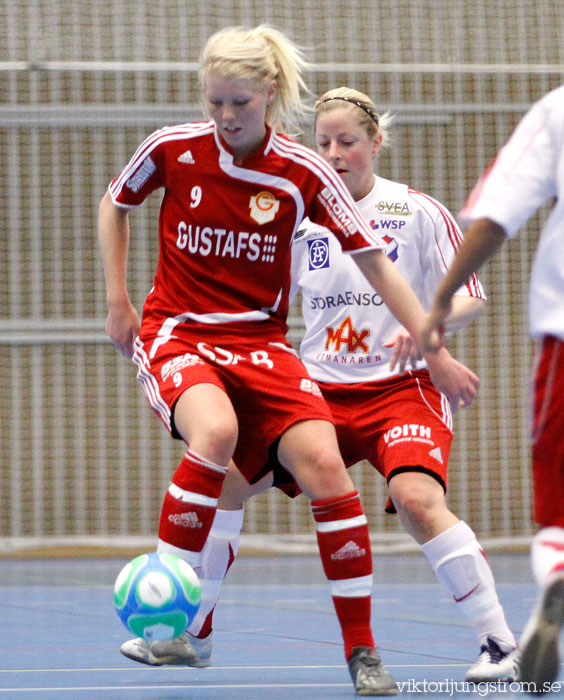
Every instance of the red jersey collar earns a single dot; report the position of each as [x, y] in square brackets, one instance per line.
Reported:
[260, 152]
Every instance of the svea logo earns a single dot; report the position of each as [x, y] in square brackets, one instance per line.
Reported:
[318, 253]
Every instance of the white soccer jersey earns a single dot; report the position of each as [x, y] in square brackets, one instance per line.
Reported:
[347, 323]
[529, 171]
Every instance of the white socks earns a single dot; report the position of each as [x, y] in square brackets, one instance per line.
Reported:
[215, 559]
[547, 553]
[460, 565]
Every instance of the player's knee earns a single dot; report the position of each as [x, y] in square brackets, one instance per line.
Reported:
[220, 435]
[324, 460]
[309, 451]
[417, 510]
[214, 437]
[322, 474]
[416, 500]
[205, 419]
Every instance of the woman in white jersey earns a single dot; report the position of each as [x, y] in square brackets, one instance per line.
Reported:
[528, 172]
[397, 420]
[211, 350]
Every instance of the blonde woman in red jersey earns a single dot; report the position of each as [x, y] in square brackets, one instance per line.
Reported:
[394, 419]
[211, 351]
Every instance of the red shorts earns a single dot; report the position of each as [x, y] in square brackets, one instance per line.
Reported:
[266, 382]
[397, 424]
[547, 434]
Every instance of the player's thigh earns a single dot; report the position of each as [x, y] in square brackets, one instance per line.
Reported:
[309, 451]
[270, 398]
[205, 418]
[344, 407]
[236, 489]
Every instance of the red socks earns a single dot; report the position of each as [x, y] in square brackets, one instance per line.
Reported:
[344, 546]
[190, 503]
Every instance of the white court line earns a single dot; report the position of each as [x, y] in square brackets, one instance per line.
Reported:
[221, 686]
[162, 669]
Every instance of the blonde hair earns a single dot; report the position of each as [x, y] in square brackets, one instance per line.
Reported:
[361, 106]
[261, 55]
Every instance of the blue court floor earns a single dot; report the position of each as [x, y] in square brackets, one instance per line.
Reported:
[275, 635]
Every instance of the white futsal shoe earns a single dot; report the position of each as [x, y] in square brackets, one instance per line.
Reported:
[494, 664]
[368, 673]
[540, 642]
[185, 650]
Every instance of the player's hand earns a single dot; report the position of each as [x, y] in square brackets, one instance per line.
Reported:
[404, 351]
[122, 325]
[453, 379]
[433, 327]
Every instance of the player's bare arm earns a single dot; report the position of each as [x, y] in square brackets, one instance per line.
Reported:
[396, 293]
[452, 378]
[463, 311]
[404, 350]
[122, 323]
[481, 241]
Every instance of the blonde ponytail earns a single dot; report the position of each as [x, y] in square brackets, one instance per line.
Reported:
[261, 55]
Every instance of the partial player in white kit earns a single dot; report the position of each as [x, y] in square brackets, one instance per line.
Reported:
[211, 351]
[398, 421]
[527, 173]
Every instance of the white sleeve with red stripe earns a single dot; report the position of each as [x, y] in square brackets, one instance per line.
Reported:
[522, 176]
[335, 207]
[439, 245]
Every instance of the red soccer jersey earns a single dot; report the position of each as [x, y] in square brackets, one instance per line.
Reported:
[225, 230]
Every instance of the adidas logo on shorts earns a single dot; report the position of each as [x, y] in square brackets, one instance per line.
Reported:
[310, 387]
[436, 453]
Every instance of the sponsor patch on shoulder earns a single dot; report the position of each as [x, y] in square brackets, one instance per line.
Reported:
[136, 182]
[318, 253]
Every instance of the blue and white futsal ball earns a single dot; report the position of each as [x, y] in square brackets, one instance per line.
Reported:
[157, 595]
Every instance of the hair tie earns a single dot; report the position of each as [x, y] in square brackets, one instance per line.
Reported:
[371, 113]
